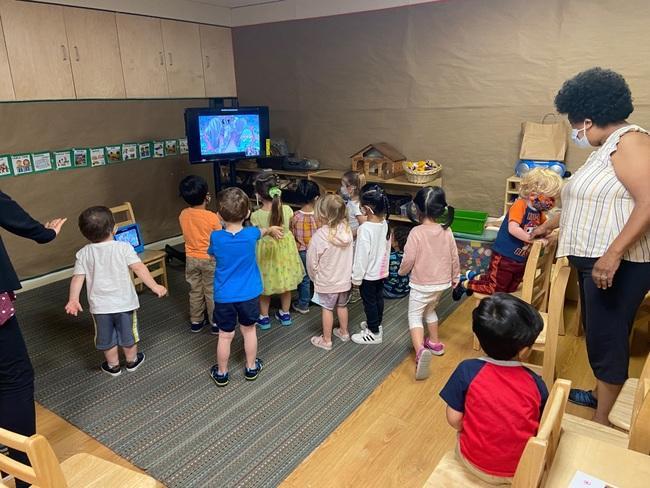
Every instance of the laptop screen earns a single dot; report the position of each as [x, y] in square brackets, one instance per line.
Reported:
[131, 234]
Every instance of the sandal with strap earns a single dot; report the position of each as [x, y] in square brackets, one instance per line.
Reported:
[318, 341]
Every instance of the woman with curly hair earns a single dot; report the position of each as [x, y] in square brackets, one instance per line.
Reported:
[605, 225]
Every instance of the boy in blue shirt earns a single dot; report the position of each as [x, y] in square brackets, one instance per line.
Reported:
[237, 283]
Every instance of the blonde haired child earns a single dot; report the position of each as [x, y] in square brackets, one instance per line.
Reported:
[278, 259]
[329, 265]
[538, 191]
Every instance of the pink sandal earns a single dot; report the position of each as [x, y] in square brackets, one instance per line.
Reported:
[318, 341]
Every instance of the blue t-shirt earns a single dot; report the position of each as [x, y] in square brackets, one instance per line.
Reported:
[395, 284]
[528, 219]
[236, 277]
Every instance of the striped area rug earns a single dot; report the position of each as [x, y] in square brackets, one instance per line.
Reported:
[170, 419]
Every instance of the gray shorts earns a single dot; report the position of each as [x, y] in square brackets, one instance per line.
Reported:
[116, 329]
[331, 300]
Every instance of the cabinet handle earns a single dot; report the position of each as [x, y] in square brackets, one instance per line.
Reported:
[171, 63]
[162, 59]
[65, 55]
[207, 61]
[76, 51]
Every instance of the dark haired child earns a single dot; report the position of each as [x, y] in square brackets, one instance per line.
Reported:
[105, 266]
[397, 286]
[237, 282]
[351, 184]
[494, 402]
[371, 257]
[197, 223]
[431, 258]
[303, 226]
[278, 259]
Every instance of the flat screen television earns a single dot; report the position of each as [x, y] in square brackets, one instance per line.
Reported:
[215, 134]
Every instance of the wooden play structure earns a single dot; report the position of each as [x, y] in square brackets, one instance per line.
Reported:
[379, 159]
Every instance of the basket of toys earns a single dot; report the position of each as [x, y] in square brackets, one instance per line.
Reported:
[422, 171]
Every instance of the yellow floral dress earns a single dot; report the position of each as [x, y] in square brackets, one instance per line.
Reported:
[278, 259]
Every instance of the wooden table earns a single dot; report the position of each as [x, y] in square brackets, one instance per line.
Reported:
[619, 467]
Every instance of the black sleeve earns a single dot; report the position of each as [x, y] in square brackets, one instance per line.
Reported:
[14, 219]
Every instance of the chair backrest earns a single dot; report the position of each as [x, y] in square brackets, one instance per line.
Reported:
[537, 275]
[555, 317]
[640, 421]
[540, 450]
[45, 470]
[123, 214]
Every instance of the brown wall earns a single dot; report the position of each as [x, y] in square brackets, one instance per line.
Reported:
[451, 81]
[151, 185]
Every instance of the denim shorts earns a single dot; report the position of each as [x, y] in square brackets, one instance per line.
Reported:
[226, 315]
[116, 329]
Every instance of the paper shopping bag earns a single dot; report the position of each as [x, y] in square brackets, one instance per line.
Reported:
[545, 141]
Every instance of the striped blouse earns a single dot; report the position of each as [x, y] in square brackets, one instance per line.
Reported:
[596, 206]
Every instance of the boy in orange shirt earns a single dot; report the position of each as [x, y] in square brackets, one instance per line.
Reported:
[197, 223]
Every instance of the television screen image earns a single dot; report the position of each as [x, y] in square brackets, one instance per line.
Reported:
[130, 234]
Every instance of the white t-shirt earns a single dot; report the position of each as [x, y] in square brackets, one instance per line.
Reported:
[108, 279]
[354, 209]
[372, 252]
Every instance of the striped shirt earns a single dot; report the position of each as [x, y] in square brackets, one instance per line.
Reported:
[596, 207]
[303, 226]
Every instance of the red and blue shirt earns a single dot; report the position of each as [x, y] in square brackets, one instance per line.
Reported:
[528, 219]
[502, 404]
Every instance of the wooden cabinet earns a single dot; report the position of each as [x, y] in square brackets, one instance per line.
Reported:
[143, 56]
[6, 85]
[183, 58]
[37, 48]
[218, 61]
[94, 53]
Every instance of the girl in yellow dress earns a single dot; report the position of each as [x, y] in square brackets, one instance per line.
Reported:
[278, 259]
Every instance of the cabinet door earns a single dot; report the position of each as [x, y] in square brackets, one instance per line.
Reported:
[6, 85]
[183, 57]
[143, 61]
[218, 61]
[37, 48]
[94, 53]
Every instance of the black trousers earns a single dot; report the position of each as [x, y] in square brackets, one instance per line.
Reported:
[17, 412]
[372, 294]
[608, 316]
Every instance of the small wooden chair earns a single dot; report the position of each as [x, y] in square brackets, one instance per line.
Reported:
[628, 400]
[535, 460]
[153, 259]
[81, 470]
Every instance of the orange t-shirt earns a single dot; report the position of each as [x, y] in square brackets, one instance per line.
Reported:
[197, 224]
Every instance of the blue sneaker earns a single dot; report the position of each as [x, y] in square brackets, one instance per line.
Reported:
[264, 322]
[219, 379]
[468, 276]
[251, 374]
[584, 398]
[283, 317]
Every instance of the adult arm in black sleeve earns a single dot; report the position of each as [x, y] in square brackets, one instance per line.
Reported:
[14, 219]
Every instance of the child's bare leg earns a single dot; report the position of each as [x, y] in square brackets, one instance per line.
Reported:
[130, 353]
[223, 350]
[112, 357]
[433, 331]
[265, 303]
[417, 337]
[250, 344]
[285, 301]
[431, 318]
[328, 323]
[342, 314]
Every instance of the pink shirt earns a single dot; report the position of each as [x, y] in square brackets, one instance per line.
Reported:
[329, 259]
[431, 256]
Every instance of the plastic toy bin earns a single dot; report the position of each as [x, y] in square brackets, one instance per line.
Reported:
[469, 222]
[474, 251]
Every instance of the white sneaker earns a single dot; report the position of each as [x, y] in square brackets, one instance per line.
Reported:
[364, 325]
[367, 337]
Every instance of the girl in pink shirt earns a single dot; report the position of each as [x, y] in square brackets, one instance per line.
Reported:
[431, 258]
[329, 265]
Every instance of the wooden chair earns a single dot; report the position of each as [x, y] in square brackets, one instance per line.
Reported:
[536, 280]
[81, 470]
[629, 399]
[535, 461]
[153, 259]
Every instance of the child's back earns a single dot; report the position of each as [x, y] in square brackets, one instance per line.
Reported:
[431, 255]
[197, 224]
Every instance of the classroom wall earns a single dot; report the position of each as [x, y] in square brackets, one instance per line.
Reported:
[450, 81]
[151, 185]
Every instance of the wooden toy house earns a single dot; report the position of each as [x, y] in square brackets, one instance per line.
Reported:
[378, 159]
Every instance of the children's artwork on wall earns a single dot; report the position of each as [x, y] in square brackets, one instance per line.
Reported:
[63, 159]
[129, 151]
[80, 157]
[171, 147]
[182, 146]
[42, 161]
[158, 149]
[5, 166]
[21, 164]
[145, 150]
[97, 156]
[114, 154]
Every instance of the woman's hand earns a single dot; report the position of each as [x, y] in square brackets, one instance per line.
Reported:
[605, 269]
[55, 225]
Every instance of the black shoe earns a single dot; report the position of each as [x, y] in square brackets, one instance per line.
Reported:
[114, 371]
[131, 367]
[458, 292]
[219, 379]
[584, 398]
[252, 374]
[196, 327]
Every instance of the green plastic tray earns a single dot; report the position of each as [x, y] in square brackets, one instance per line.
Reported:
[469, 222]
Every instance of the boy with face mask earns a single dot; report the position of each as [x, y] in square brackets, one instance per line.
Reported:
[538, 190]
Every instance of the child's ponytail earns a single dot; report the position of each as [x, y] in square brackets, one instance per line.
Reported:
[374, 197]
[276, 207]
[267, 187]
[431, 203]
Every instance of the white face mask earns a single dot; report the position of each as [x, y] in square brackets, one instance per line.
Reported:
[582, 142]
[344, 192]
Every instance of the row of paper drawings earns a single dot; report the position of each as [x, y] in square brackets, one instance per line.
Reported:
[22, 164]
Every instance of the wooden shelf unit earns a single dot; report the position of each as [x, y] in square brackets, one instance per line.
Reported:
[512, 192]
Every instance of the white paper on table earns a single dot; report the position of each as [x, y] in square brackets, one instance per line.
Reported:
[583, 480]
